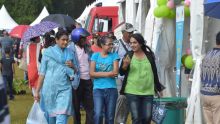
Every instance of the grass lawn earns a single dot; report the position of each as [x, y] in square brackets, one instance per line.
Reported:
[20, 107]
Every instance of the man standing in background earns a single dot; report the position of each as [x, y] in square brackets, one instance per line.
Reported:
[6, 41]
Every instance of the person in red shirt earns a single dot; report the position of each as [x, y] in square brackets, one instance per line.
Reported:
[33, 52]
[96, 47]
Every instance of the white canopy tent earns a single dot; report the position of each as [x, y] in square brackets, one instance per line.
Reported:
[42, 15]
[6, 22]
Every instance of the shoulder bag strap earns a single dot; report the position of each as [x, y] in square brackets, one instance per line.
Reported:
[125, 48]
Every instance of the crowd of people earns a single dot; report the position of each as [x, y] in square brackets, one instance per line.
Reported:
[108, 77]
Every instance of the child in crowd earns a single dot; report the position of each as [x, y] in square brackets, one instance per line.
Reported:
[8, 70]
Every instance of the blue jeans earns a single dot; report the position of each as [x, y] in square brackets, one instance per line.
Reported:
[141, 108]
[104, 99]
[8, 79]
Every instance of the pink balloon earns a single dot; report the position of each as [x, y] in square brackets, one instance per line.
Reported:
[188, 51]
[170, 4]
[187, 3]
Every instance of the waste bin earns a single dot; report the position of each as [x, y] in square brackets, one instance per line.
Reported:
[175, 106]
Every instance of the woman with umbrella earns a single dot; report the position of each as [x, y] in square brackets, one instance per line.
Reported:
[56, 72]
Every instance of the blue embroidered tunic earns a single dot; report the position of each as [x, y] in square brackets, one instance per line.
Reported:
[56, 92]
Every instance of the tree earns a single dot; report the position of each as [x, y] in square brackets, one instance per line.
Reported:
[73, 8]
[26, 11]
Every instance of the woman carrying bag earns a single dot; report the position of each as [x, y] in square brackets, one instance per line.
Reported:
[54, 90]
[141, 80]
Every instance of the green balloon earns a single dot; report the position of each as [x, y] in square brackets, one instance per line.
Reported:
[161, 2]
[189, 62]
[172, 14]
[183, 59]
[164, 10]
[186, 11]
[157, 12]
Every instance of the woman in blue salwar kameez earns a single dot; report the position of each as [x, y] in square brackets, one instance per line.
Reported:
[54, 90]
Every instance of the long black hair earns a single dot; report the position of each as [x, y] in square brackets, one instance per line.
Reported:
[142, 42]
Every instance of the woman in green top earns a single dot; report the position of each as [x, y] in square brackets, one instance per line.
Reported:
[141, 80]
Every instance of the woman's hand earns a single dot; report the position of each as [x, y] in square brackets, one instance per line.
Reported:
[112, 74]
[126, 62]
[37, 96]
[69, 64]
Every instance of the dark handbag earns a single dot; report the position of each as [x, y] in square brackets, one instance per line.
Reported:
[158, 112]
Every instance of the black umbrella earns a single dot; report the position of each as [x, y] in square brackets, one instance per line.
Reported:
[61, 19]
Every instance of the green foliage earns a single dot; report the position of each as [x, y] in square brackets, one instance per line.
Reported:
[19, 86]
[26, 11]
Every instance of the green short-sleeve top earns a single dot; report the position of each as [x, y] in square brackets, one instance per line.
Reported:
[140, 79]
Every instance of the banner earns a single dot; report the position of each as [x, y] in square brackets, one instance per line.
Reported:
[179, 45]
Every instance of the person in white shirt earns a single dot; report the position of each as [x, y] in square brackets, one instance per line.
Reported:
[83, 94]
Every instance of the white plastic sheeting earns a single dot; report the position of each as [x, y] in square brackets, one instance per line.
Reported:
[6, 22]
[164, 46]
[150, 24]
[131, 11]
[142, 11]
[194, 113]
[42, 15]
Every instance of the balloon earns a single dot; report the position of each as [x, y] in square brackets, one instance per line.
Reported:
[187, 3]
[189, 62]
[161, 2]
[186, 11]
[183, 59]
[157, 12]
[170, 4]
[172, 14]
[165, 10]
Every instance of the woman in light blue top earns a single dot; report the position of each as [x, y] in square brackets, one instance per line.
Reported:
[104, 68]
[56, 72]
